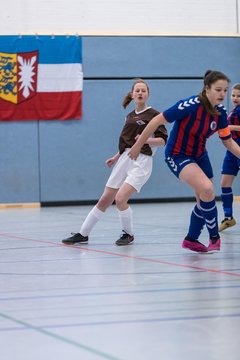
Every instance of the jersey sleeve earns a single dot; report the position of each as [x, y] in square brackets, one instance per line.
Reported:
[224, 131]
[181, 109]
[234, 116]
[162, 133]
[224, 134]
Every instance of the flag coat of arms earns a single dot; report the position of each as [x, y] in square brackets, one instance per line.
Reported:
[40, 78]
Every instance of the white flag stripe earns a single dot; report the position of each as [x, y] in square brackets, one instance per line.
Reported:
[59, 77]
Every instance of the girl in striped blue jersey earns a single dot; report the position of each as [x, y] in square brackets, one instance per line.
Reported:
[195, 120]
[231, 164]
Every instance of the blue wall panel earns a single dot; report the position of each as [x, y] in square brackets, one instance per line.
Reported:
[56, 161]
[160, 56]
[73, 153]
[19, 162]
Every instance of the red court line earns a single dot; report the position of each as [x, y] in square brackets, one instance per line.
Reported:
[127, 256]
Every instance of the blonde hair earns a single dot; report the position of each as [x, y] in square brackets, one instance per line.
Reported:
[128, 97]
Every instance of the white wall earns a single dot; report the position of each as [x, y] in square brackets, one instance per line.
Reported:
[120, 17]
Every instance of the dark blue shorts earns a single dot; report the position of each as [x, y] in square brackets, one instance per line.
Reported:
[177, 163]
[231, 164]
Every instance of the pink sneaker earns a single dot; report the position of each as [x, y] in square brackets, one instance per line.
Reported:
[194, 246]
[214, 246]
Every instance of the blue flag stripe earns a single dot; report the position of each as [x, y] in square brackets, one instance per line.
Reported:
[68, 48]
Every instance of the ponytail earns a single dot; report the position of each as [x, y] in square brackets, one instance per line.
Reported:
[206, 103]
[127, 100]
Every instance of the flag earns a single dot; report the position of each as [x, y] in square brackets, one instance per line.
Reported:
[41, 77]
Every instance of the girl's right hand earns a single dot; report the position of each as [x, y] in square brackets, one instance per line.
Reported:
[134, 152]
[110, 162]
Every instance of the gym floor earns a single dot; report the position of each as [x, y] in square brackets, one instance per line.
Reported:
[149, 300]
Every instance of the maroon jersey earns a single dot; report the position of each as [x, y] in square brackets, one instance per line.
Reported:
[134, 125]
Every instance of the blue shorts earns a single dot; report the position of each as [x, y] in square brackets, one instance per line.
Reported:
[231, 164]
[177, 163]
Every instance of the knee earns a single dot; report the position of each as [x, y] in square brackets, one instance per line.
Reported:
[120, 201]
[207, 192]
[104, 203]
[225, 182]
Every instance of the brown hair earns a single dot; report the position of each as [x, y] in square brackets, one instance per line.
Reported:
[128, 97]
[210, 78]
[236, 86]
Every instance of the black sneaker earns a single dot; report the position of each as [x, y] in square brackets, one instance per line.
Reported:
[125, 239]
[75, 238]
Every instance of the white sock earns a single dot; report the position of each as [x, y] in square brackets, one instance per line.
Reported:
[126, 220]
[92, 218]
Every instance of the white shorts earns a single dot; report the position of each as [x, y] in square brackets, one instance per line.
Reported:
[133, 172]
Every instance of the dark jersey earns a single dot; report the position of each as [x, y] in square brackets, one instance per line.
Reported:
[234, 119]
[193, 125]
[135, 123]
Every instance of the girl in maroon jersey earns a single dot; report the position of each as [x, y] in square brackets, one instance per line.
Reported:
[128, 176]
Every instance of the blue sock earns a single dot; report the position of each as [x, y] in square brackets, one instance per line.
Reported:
[196, 224]
[209, 212]
[227, 201]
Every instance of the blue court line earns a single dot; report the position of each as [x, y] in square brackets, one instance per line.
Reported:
[59, 337]
[27, 248]
[43, 328]
[134, 312]
[132, 304]
[170, 272]
[107, 293]
[176, 318]
[100, 274]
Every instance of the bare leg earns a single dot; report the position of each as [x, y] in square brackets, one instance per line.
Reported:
[227, 180]
[123, 195]
[193, 175]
